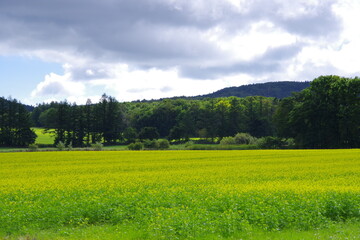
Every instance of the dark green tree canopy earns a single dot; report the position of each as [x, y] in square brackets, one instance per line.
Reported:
[15, 124]
[325, 115]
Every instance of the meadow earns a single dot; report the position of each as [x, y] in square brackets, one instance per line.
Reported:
[43, 138]
[180, 194]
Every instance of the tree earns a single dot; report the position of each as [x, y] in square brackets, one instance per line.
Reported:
[326, 115]
[15, 124]
[149, 133]
[130, 134]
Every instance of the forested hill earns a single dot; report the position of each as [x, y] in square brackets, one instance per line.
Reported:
[269, 89]
[27, 107]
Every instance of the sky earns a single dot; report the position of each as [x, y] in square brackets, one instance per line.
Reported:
[76, 50]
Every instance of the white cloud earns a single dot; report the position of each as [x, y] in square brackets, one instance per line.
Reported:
[58, 86]
[127, 85]
[162, 48]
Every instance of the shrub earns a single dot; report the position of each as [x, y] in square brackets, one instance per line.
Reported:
[70, 147]
[227, 141]
[97, 146]
[33, 147]
[151, 144]
[189, 144]
[290, 143]
[244, 138]
[271, 142]
[60, 146]
[163, 144]
[135, 146]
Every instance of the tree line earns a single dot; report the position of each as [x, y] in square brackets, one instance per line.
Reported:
[175, 119]
[15, 124]
[324, 115]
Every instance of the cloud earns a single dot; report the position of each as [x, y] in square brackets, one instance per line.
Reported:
[160, 44]
[58, 86]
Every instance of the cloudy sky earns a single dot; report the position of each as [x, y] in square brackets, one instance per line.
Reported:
[149, 49]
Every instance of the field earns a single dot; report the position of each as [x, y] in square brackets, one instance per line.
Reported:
[42, 137]
[261, 194]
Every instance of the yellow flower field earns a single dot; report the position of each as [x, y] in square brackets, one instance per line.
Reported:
[179, 194]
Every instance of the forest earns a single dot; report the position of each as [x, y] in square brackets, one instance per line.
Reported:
[324, 115]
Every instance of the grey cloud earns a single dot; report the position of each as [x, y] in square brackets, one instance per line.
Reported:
[166, 89]
[322, 24]
[319, 21]
[53, 88]
[273, 60]
[155, 33]
[281, 53]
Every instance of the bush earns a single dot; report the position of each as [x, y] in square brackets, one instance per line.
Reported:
[33, 147]
[189, 144]
[135, 146]
[151, 144]
[271, 142]
[97, 146]
[290, 143]
[60, 146]
[163, 144]
[244, 138]
[227, 141]
[70, 147]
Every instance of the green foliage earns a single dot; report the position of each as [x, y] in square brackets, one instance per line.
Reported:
[244, 138]
[149, 133]
[221, 147]
[163, 144]
[33, 147]
[325, 115]
[70, 147]
[15, 123]
[151, 144]
[136, 146]
[275, 143]
[97, 146]
[60, 146]
[130, 134]
[227, 141]
[270, 89]
[189, 144]
[271, 142]
[156, 144]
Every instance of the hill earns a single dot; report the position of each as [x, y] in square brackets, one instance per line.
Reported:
[27, 107]
[269, 89]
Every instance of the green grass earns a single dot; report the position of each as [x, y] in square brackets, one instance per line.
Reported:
[349, 231]
[42, 137]
[262, 194]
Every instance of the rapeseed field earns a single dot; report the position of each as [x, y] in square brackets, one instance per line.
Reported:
[179, 194]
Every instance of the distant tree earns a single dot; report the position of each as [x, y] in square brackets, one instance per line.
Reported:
[149, 133]
[47, 118]
[15, 123]
[130, 134]
[108, 120]
[326, 115]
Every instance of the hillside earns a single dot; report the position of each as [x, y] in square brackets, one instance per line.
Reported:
[27, 107]
[269, 89]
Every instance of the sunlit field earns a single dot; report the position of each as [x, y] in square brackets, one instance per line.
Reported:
[177, 194]
[43, 137]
